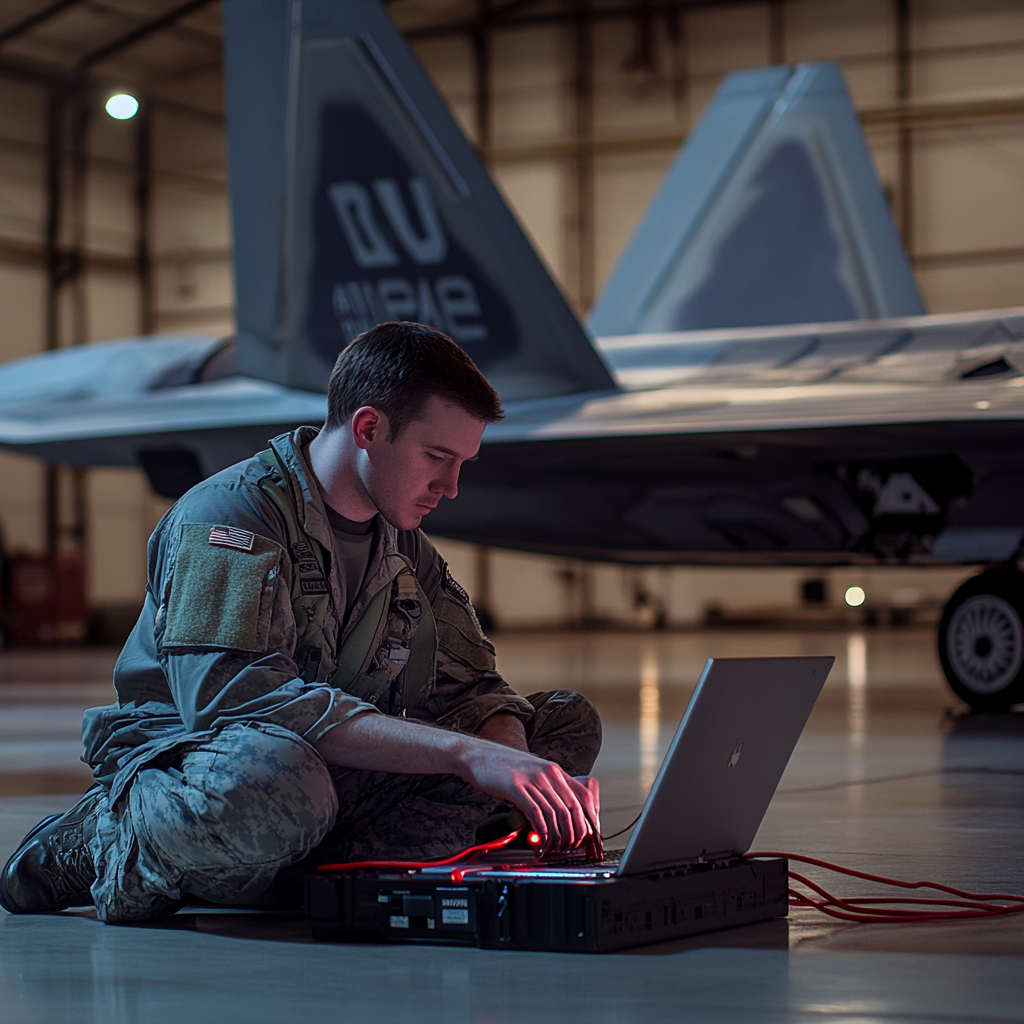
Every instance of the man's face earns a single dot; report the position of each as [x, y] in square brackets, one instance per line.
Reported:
[405, 478]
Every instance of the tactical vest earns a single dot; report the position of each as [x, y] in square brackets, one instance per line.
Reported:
[388, 657]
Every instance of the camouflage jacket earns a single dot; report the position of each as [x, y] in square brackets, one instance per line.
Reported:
[224, 635]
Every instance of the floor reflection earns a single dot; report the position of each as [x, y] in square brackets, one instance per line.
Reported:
[650, 719]
[857, 685]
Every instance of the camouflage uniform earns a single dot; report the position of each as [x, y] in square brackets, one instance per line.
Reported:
[243, 659]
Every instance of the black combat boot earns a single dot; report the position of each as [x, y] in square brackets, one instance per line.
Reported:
[52, 869]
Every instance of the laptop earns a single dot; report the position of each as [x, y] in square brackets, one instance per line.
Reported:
[721, 770]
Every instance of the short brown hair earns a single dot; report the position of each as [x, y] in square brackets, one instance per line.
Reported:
[396, 367]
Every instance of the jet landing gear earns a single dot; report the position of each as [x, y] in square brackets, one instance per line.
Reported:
[981, 640]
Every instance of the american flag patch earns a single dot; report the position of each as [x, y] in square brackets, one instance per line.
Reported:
[229, 537]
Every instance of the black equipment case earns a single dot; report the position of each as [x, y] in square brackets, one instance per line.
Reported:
[516, 908]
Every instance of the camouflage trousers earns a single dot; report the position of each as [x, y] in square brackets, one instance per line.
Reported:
[234, 810]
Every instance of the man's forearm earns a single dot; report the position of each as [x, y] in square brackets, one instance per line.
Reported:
[385, 744]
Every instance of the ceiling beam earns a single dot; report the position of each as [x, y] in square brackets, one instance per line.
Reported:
[142, 32]
[505, 16]
[187, 33]
[29, 23]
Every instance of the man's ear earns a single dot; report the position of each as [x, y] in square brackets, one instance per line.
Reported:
[369, 426]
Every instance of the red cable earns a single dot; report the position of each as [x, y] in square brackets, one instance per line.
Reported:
[471, 853]
[604, 839]
[849, 907]
[859, 908]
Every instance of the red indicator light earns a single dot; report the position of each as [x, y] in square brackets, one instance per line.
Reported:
[533, 839]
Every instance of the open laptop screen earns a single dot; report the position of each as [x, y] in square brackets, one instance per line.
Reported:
[725, 761]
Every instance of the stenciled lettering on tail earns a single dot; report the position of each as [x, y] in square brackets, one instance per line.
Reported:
[448, 302]
[385, 254]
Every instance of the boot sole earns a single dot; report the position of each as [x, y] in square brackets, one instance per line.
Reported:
[5, 896]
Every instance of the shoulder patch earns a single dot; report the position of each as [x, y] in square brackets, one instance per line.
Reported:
[217, 591]
[452, 584]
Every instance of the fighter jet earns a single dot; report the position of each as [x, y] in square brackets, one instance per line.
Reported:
[758, 383]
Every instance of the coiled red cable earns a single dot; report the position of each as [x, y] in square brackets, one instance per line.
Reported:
[882, 909]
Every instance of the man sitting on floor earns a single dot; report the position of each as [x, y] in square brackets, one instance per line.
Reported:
[306, 679]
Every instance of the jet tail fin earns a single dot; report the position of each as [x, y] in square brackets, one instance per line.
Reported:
[357, 199]
[771, 214]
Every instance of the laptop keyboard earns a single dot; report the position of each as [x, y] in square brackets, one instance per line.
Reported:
[573, 859]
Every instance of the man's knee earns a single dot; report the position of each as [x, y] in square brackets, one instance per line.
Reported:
[250, 795]
[565, 728]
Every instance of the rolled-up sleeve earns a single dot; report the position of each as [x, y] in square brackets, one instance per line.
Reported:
[214, 688]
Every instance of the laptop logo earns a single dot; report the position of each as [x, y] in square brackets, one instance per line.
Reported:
[737, 751]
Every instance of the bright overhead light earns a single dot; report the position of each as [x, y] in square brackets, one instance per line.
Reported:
[122, 106]
[855, 596]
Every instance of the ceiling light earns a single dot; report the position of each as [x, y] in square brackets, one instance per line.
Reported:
[122, 106]
[855, 596]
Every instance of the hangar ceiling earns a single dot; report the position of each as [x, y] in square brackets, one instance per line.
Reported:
[144, 43]
[164, 47]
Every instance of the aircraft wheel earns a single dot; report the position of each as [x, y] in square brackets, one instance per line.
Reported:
[981, 640]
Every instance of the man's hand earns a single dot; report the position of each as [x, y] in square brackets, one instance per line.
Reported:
[508, 730]
[564, 811]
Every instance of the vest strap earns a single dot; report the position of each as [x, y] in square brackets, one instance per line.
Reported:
[312, 609]
[355, 653]
[368, 663]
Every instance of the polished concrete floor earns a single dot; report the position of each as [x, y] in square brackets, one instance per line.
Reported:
[883, 780]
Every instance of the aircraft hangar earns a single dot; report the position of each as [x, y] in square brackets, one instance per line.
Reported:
[139, 143]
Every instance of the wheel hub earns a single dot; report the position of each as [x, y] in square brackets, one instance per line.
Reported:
[985, 643]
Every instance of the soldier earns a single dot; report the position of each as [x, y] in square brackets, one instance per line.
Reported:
[307, 681]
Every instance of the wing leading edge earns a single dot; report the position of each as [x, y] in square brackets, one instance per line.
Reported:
[156, 402]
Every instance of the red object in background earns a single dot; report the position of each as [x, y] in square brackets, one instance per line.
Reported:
[47, 599]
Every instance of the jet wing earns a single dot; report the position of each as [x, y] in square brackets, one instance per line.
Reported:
[913, 350]
[175, 405]
[815, 444]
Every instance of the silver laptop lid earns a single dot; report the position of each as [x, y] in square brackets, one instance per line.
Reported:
[725, 760]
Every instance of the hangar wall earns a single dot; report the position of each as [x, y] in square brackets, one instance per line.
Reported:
[100, 289]
[578, 110]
